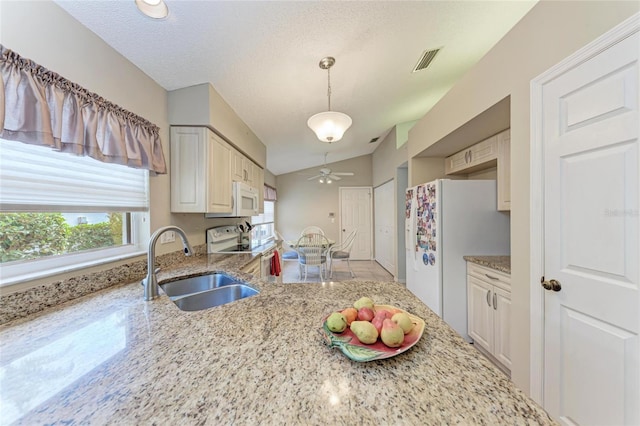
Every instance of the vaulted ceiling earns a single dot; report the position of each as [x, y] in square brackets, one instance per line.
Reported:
[262, 57]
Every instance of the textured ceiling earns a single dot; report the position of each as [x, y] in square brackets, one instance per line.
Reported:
[262, 57]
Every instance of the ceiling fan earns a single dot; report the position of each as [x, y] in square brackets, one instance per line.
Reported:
[327, 176]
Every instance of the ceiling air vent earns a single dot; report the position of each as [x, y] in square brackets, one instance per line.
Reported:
[374, 140]
[426, 59]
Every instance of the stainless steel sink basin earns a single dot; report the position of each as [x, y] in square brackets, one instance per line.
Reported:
[198, 284]
[206, 291]
[215, 297]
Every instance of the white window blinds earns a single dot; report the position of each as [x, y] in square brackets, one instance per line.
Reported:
[35, 178]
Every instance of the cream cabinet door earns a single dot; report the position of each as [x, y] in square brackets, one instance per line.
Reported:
[480, 312]
[188, 169]
[237, 166]
[504, 171]
[477, 157]
[502, 326]
[258, 183]
[219, 176]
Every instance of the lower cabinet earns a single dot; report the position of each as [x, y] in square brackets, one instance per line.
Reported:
[489, 313]
[253, 267]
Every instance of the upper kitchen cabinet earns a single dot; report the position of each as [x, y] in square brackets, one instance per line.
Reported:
[244, 170]
[200, 171]
[482, 155]
[202, 105]
[504, 171]
[490, 153]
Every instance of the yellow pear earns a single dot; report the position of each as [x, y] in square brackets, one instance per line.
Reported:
[403, 320]
[363, 302]
[364, 331]
[337, 322]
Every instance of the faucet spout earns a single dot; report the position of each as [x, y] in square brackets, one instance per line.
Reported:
[150, 282]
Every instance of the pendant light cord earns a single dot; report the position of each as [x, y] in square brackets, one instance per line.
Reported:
[329, 86]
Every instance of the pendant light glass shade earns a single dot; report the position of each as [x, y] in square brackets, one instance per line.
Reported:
[329, 126]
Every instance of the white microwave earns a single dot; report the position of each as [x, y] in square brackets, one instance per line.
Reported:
[245, 200]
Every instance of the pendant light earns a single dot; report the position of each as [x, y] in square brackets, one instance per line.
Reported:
[329, 126]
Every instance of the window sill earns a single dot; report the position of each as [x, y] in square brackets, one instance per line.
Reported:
[25, 281]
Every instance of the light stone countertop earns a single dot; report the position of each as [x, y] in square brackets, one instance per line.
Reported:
[112, 358]
[499, 263]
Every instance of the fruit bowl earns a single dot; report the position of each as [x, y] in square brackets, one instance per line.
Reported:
[353, 349]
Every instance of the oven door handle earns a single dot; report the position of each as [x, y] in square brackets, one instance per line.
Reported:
[268, 256]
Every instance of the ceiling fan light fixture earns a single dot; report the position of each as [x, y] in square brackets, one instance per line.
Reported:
[329, 180]
[156, 9]
[329, 126]
[321, 180]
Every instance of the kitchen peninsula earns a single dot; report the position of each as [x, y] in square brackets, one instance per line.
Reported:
[112, 358]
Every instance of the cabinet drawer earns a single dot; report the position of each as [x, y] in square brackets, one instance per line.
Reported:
[497, 278]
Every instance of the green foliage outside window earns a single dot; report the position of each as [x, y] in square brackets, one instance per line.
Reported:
[33, 235]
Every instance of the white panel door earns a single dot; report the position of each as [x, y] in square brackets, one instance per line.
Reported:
[356, 213]
[384, 226]
[591, 231]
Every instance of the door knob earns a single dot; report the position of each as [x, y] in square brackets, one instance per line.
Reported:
[550, 285]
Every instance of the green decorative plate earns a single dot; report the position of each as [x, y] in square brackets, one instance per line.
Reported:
[349, 344]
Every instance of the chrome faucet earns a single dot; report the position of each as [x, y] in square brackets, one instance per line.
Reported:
[150, 283]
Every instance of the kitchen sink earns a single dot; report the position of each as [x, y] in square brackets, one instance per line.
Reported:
[198, 284]
[206, 291]
[215, 297]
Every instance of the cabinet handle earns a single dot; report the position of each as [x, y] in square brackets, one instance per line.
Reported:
[466, 157]
[488, 300]
[491, 277]
[470, 156]
[495, 301]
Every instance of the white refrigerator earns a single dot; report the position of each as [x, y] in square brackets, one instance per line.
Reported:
[444, 221]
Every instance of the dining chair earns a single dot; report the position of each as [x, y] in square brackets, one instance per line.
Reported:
[342, 251]
[288, 254]
[312, 251]
[313, 229]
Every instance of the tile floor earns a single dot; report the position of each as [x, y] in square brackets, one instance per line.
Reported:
[366, 270]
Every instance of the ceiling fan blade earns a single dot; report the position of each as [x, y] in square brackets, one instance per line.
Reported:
[334, 177]
[343, 173]
[314, 177]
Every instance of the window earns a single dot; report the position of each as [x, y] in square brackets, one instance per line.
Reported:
[263, 225]
[60, 211]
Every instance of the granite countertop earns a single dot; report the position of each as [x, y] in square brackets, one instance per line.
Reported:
[499, 263]
[112, 358]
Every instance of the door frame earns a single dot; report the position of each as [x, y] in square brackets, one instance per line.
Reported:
[536, 230]
[371, 229]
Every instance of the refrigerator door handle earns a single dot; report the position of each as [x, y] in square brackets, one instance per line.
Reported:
[488, 298]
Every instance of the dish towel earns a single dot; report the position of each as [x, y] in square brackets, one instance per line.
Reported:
[275, 264]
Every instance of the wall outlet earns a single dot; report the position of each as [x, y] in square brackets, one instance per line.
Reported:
[168, 237]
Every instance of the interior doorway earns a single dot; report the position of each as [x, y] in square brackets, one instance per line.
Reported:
[356, 212]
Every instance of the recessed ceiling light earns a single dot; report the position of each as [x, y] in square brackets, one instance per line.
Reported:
[156, 9]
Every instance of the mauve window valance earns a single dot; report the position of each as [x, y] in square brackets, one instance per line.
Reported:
[38, 106]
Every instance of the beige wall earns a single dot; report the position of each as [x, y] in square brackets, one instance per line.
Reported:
[387, 158]
[302, 202]
[551, 31]
[269, 178]
[58, 42]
